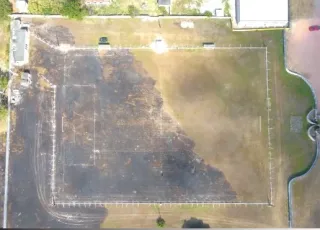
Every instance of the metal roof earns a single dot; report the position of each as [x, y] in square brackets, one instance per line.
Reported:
[20, 44]
[262, 10]
[164, 2]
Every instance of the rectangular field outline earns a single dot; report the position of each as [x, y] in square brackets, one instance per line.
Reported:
[97, 203]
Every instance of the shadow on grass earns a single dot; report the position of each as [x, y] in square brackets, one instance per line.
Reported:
[194, 223]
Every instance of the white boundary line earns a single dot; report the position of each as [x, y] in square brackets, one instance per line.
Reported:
[94, 127]
[53, 159]
[6, 177]
[132, 203]
[268, 100]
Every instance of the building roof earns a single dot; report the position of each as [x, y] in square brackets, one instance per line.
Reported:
[97, 2]
[22, 6]
[25, 79]
[20, 43]
[262, 10]
[164, 2]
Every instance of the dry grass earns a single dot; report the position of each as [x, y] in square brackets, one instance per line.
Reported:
[41, 70]
[43, 84]
[3, 125]
[218, 102]
[136, 32]
[4, 44]
[144, 216]
[290, 96]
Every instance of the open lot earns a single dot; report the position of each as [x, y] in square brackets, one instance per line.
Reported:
[132, 114]
[125, 133]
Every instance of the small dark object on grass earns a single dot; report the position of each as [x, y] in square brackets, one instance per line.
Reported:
[194, 223]
[161, 222]
[103, 40]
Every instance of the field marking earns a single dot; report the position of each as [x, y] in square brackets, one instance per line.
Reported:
[62, 119]
[260, 128]
[53, 166]
[269, 203]
[94, 129]
[133, 203]
[269, 126]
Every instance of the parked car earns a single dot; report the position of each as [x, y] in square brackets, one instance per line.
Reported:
[314, 28]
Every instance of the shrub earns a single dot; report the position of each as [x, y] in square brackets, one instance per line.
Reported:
[163, 10]
[208, 13]
[73, 9]
[5, 10]
[161, 222]
[45, 6]
[3, 82]
[3, 112]
[133, 11]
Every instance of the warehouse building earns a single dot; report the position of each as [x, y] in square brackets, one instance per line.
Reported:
[261, 13]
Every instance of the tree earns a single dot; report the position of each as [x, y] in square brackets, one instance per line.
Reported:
[226, 7]
[73, 9]
[163, 10]
[3, 82]
[208, 13]
[161, 222]
[5, 9]
[133, 11]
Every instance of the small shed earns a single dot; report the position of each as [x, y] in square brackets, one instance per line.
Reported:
[164, 3]
[219, 12]
[26, 80]
[97, 2]
[20, 43]
[22, 6]
[261, 14]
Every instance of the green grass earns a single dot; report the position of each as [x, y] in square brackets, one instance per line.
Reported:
[297, 100]
[181, 7]
[4, 44]
[121, 8]
[45, 6]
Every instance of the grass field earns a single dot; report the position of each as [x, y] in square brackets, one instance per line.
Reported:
[220, 102]
[293, 152]
[136, 32]
[290, 97]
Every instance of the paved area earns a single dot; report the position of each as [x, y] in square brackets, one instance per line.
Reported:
[303, 57]
[303, 49]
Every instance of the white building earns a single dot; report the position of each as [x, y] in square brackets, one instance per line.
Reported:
[261, 13]
[97, 2]
[22, 6]
[20, 43]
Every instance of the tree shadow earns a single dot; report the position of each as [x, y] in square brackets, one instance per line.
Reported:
[194, 223]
